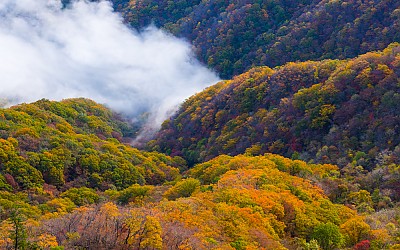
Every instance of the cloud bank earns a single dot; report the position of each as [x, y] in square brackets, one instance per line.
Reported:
[85, 50]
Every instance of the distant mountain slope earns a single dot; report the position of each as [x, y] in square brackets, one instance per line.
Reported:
[341, 112]
[232, 36]
[75, 142]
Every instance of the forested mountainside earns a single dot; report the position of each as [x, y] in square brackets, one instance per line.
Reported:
[74, 143]
[68, 181]
[242, 202]
[343, 112]
[321, 110]
[286, 155]
[233, 36]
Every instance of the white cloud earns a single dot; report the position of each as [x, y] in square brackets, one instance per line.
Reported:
[85, 50]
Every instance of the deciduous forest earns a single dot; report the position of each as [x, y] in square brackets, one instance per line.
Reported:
[298, 148]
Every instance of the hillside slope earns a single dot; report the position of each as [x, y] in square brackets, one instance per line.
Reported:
[332, 111]
[232, 36]
[68, 180]
[73, 143]
[242, 202]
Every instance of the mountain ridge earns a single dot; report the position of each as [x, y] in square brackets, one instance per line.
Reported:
[233, 36]
[331, 111]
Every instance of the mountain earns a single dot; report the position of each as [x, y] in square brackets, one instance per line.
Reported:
[285, 155]
[341, 112]
[67, 180]
[233, 36]
[74, 143]
[64, 167]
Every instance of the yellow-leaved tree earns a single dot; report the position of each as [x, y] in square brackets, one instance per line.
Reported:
[151, 237]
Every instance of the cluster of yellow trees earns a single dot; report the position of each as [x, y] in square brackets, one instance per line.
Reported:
[242, 202]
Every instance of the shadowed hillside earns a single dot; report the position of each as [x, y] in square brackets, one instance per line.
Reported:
[233, 36]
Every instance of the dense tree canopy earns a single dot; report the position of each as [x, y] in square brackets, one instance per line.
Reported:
[304, 155]
[340, 112]
[321, 109]
[242, 202]
[232, 36]
[74, 143]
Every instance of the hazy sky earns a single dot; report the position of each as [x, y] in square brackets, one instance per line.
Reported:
[86, 51]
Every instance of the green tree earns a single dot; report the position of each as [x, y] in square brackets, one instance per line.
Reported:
[81, 196]
[184, 188]
[328, 236]
[133, 193]
[18, 233]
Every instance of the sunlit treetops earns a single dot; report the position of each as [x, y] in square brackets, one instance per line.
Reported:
[250, 203]
[75, 142]
[328, 111]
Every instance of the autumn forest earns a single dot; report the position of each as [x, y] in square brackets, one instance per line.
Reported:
[298, 148]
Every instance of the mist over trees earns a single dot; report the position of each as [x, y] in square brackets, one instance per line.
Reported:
[286, 154]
